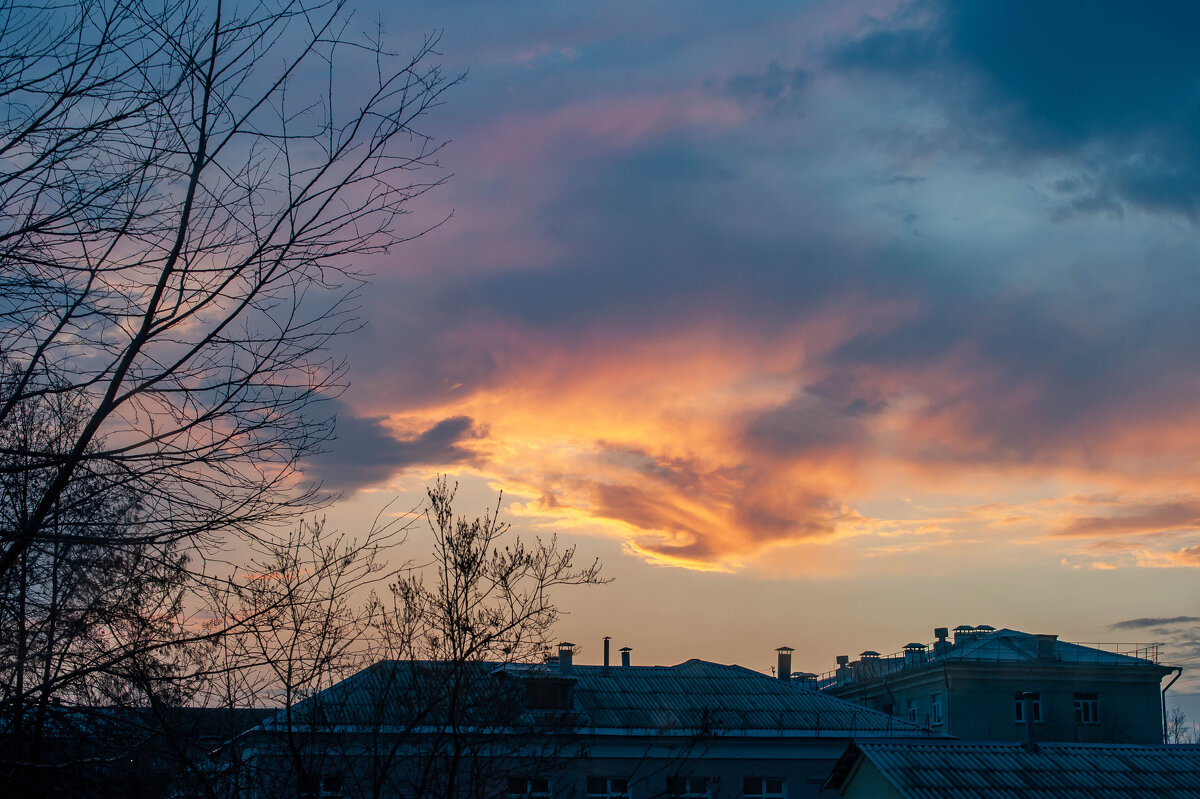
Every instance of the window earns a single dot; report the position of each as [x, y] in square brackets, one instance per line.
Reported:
[912, 710]
[935, 708]
[1087, 708]
[542, 694]
[528, 788]
[607, 788]
[687, 787]
[763, 788]
[325, 786]
[1036, 703]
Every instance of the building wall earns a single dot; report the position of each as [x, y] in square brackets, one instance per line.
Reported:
[647, 762]
[978, 700]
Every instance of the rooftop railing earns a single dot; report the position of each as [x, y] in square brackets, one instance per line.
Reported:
[1019, 649]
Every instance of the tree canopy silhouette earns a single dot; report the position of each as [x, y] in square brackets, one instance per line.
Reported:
[184, 190]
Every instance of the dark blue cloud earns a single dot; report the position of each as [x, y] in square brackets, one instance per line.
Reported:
[364, 451]
[775, 89]
[1142, 623]
[1115, 86]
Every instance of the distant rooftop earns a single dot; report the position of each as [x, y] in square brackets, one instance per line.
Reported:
[986, 644]
[953, 769]
[695, 696]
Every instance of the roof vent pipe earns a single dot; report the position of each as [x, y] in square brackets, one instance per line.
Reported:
[566, 652]
[625, 656]
[784, 672]
[941, 646]
[606, 642]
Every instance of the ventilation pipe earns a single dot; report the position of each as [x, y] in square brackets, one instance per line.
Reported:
[625, 656]
[843, 669]
[566, 653]
[784, 672]
[1027, 708]
[941, 646]
[607, 639]
[914, 654]
[1178, 672]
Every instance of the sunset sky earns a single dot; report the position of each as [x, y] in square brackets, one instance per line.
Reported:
[821, 324]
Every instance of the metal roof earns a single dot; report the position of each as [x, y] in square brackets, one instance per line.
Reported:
[958, 770]
[1014, 645]
[699, 694]
[996, 646]
[696, 696]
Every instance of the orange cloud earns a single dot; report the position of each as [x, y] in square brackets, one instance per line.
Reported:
[717, 446]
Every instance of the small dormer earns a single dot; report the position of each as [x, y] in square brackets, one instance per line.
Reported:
[547, 691]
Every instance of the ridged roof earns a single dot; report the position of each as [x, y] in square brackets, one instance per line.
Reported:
[956, 770]
[699, 694]
[690, 697]
[1014, 645]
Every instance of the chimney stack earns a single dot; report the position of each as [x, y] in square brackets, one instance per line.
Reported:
[606, 641]
[784, 672]
[941, 646]
[914, 654]
[1047, 647]
[566, 652]
[625, 656]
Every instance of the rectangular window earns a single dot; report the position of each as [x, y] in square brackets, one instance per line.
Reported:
[607, 788]
[687, 787]
[1087, 708]
[763, 788]
[543, 694]
[935, 708]
[1035, 704]
[528, 788]
[912, 710]
[322, 786]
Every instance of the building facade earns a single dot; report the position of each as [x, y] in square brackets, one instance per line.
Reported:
[983, 684]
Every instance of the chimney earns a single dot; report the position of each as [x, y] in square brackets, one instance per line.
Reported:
[784, 672]
[625, 656]
[963, 634]
[606, 641]
[914, 654]
[1047, 647]
[566, 651]
[806, 679]
[941, 646]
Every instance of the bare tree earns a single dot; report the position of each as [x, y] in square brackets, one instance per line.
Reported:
[184, 189]
[86, 628]
[441, 711]
[1179, 731]
[485, 599]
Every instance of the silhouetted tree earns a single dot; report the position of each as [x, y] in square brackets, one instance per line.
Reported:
[431, 717]
[1179, 731]
[89, 615]
[184, 187]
